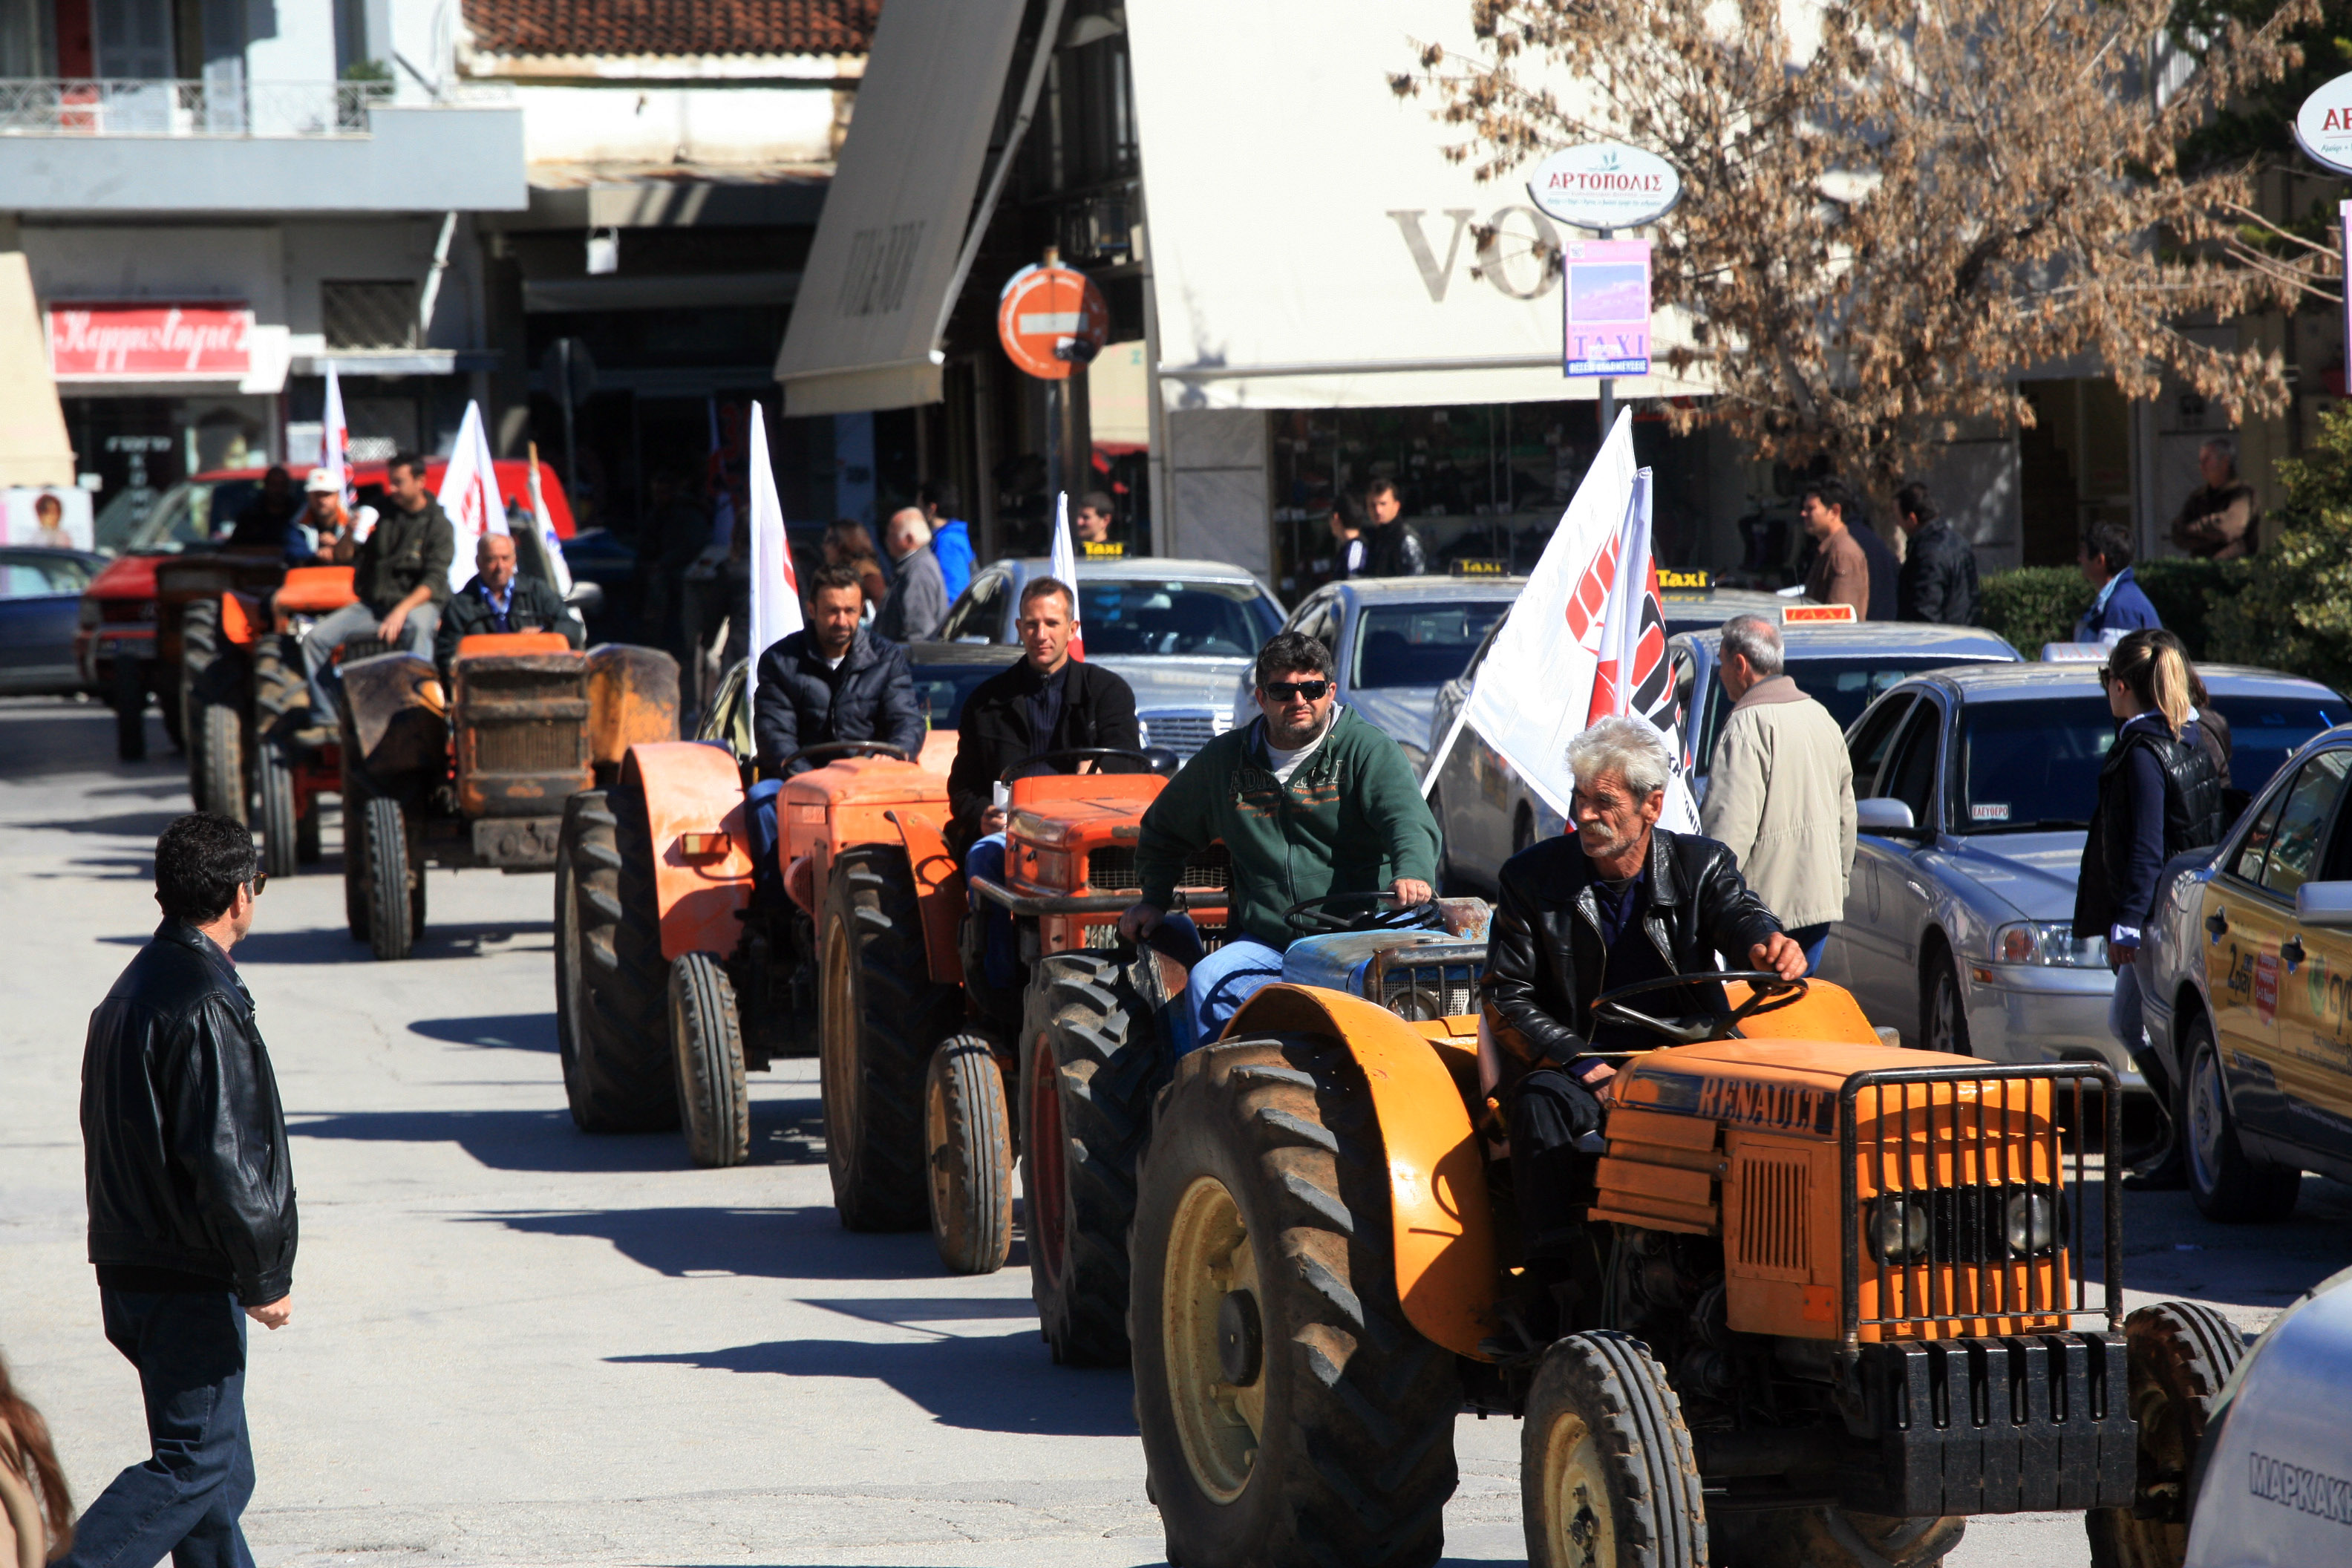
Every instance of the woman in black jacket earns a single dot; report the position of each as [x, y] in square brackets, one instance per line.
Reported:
[2159, 795]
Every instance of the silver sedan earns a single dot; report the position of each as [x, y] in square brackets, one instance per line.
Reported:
[1974, 790]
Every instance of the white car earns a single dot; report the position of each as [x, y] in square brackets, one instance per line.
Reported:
[2273, 1478]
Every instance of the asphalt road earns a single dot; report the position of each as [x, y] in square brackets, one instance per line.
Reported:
[516, 1344]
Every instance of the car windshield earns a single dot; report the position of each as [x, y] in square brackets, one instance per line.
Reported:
[942, 688]
[2027, 766]
[1215, 620]
[32, 576]
[191, 512]
[1843, 686]
[1417, 644]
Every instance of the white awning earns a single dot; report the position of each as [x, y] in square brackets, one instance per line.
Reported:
[865, 327]
[1311, 247]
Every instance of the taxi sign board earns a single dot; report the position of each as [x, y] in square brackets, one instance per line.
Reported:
[1817, 615]
[1482, 569]
[1050, 318]
[1695, 581]
[1605, 186]
[1607, 306]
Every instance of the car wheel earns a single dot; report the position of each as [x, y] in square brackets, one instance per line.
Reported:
[1943, 1008]
[2228, 1185]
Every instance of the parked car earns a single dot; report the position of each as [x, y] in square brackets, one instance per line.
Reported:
[40, 600]
[1395, 640]
[1181, 632]
[1974, 789]
[2248, 972]
[1489, 814]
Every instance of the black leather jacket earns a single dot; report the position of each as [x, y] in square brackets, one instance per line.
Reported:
[183, 1142]
[1544, 956]
[1939, 578]
[2123, 851]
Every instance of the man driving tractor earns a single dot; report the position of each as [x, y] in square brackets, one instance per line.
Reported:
[1622, 902]
[1310, 801]
[500, 599]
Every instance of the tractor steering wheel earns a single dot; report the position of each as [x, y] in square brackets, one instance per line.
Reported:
[1320, 917]
[828, 749]
[1150, 759]
[1768, 993]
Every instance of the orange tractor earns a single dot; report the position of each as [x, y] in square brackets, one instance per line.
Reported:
[1833, 1297]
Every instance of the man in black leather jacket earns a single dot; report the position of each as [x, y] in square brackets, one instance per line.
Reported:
[501, 598]
[1939, 569]
[191, 1223]
[1623, 901]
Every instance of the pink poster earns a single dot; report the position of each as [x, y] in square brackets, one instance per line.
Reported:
[1607, 303]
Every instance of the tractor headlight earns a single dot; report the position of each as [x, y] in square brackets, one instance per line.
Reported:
[1897, 1228]
[2033, 1223]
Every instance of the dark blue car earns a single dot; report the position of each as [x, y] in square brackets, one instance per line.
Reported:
[40, 595]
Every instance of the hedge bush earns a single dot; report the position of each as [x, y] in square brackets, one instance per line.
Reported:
[2035, 605]
[2294, 610]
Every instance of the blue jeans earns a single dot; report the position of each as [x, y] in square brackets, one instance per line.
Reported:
[1219, 983]
[1812, 939]
[759, 815]
[184, 1501]
[1000, 959]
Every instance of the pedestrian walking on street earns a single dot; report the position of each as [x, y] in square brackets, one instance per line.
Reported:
[918, 600]
[35, 1508]
[401, 574]
[2106, 561]
[191, 1190]
[1779, 789]
[1396, 549]
[950, 535]
[1841, 571]
[1939, 582]
[2218, 521]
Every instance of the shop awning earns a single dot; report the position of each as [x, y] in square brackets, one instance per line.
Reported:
[34, 449]
[865, 324]
[1310, 245]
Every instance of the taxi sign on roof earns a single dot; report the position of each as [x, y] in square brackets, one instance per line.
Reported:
[1482, 569]
[1670, 581]
[1817, 615]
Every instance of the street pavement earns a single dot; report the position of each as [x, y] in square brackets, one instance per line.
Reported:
[513, 1343]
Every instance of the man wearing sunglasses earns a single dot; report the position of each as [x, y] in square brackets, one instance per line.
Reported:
[191, 1221]
[1309, 799]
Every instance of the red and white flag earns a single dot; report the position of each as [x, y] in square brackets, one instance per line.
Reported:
[1066, 567]
[470, 494]
[775, 587]
[337, 438]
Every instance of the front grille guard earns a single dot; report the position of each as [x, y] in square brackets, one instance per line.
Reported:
[1969, 1132]
[1440, 974]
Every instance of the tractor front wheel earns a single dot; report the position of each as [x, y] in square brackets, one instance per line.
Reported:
[967, 1135]
[396, 900]
[1290, 1412]
[610, 980]
[223, 728]
[2181, 1355]
[880, 1013]
[707, 1035]
[1090, 1064]
[273, 788]
[1606, 1470]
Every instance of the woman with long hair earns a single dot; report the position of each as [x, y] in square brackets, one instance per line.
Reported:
[37, 1511]
[2159, 795]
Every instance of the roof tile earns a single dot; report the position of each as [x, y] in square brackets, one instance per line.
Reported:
[623, 27]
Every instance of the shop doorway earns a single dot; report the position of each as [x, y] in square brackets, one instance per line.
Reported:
[2074, 466]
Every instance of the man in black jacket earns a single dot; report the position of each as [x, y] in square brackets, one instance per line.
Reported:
[191, 1223]
[1939, 571]
[500, 599]
[1623, 901]
[1046, 702]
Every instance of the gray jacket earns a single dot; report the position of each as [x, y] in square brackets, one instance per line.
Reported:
[1780, 797]
[918, 600]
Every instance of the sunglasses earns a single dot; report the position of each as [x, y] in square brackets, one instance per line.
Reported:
[258, 881]
[1291, 691]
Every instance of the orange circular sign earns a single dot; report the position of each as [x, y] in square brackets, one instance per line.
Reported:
[1051, 318]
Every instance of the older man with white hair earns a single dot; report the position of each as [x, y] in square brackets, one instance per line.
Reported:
[917, 601]
[1622, 901]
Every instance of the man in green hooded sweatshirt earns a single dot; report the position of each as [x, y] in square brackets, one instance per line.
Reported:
[1309, 799]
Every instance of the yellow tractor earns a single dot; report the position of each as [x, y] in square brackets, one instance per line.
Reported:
[1835, 1298]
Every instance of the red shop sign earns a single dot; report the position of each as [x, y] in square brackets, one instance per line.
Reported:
[150, 341]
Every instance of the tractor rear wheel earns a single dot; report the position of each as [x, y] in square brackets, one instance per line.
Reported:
[967, 1135]
[1289, 1411]
[223, 728]
[610, 980]
[879, 1013]
[2181, 1355]
[706, 1034]
[281, 698]
[393, 890]
[273, 788]
[200, 644]
[130, 710]
[1090, 1063]
[1606, 1470]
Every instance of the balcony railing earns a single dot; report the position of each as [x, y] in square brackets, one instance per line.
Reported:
[50, 106]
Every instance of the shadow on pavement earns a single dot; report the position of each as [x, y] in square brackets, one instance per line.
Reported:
[334, 944]
[144, 825]
[501, 1140]
[756, 1243]
[497, 1031]
[41, 736]
[2170, 1249]
[995, 1383]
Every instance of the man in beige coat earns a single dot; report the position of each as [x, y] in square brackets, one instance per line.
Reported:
[1779, 789]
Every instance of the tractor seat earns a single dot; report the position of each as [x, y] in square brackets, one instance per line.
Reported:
[315, 590]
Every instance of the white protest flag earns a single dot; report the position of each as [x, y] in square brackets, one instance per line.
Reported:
[1066, 567]
[470, 494]
[1633, 677]
[337, 439]
[776, 587]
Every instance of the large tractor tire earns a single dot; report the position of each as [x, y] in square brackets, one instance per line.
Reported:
[222, 727]
[2180, 1356]
[1090, 1063]
[1606, 1472]
[281, 708]
[879, 1013]
[200, 644]
[610, 980]
[130, 699]
[967, 1135]
[706, 1036]
[1828, 1537]
[273, 793]
[395, 881]
[1290, 1412]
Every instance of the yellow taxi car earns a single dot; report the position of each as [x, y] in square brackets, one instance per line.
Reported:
[2249, 981]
